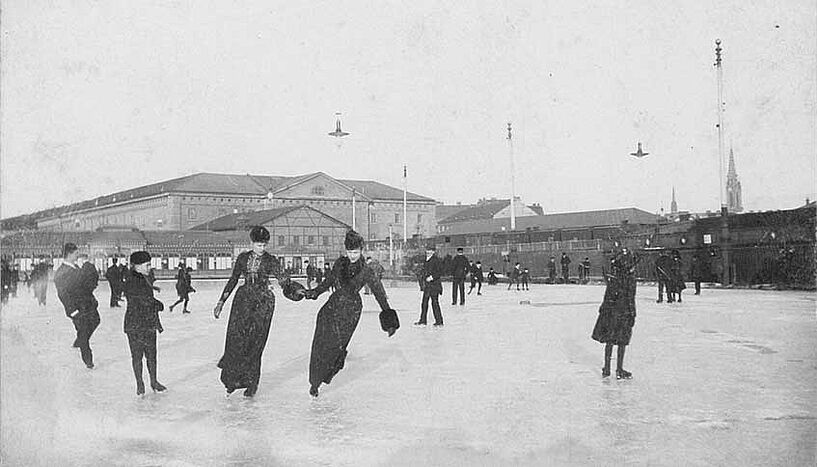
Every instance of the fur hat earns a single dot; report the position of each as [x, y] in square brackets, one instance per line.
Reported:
[389, 321]
[353, 241]
[431, 246]
[294, 291]
[259, 234]
[139, 257]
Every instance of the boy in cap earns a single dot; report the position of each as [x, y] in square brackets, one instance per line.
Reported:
[142, 320]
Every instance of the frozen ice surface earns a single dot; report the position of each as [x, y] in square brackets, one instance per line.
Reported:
[725, 378]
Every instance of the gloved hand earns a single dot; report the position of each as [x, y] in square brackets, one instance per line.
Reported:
[217, 309]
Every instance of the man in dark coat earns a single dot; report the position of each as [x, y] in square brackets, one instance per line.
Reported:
[459, 269]
[492, 280]
[75, 287]
[114, 277]
[552, 269]
[432, 287]
[676, 276]
[327, 272]
[565, 268]
[663, 267]
[310, 274]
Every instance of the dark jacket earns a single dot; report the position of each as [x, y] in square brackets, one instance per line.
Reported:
[114, 277]
[183, 280]
[459, 267]
[476, 273]
[663, 267]
[433, 268]
[75, 288]
[143, 309]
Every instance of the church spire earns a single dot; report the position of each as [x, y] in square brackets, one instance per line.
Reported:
[731, 172]
[733, 191]
[674, 206]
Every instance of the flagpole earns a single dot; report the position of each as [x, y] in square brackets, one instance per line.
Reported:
[513, 179]
[405, 207]
[354, 223]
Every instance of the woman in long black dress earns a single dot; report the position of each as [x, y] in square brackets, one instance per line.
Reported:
[338, 317]
[250, 315]
[614, 325]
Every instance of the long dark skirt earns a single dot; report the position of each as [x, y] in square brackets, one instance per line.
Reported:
[336, 322]
[613, 325]
[247, 332]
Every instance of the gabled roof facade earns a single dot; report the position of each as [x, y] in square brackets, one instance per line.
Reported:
[233, 184]
[243, 220]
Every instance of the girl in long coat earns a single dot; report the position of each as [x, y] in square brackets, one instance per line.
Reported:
[250, 314]
[614, 325]
[338, 317]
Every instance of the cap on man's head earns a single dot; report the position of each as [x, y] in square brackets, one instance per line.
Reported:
[479, 262]
[459, 250]
[431, 247]
[68, 249]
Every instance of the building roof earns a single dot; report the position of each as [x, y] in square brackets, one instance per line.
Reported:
[243, 220]
[484, 210]
[567, 220]
[441, 211]
[233, 184]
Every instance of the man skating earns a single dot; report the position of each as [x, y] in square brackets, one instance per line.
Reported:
[75, 286]
[431, 286]
[459, 269]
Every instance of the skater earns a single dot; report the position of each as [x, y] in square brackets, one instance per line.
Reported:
[377, 269]
[183, 287]
[459, 269]
[677, 276]
[696, 271]
[565, 268]
[514, 276]
[476, 278]
[310, 274]
[251, 314]
[552, 270]
[14, 277]
[40, 280]
[614, 325]
[585, 265]
[318, 274]
[338, 317]
[431, 286]
[524, 278]
[663, 267]
[327, 272]
[492, 279]
[5, 281]
[142, 321]
[75, 289]
[114, 278]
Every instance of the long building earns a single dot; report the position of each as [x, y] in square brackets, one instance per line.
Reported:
[190, 201]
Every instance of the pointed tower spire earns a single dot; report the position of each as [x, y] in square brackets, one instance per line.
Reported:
[674, 206]
[733, 191]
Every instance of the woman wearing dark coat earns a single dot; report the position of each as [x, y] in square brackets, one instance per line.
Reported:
[614, 325]
[338, 317]
[142, 320]
[250, 314]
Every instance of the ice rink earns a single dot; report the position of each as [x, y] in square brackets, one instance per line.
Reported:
[725, 378]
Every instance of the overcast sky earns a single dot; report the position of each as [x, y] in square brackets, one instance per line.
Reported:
[102, 96]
